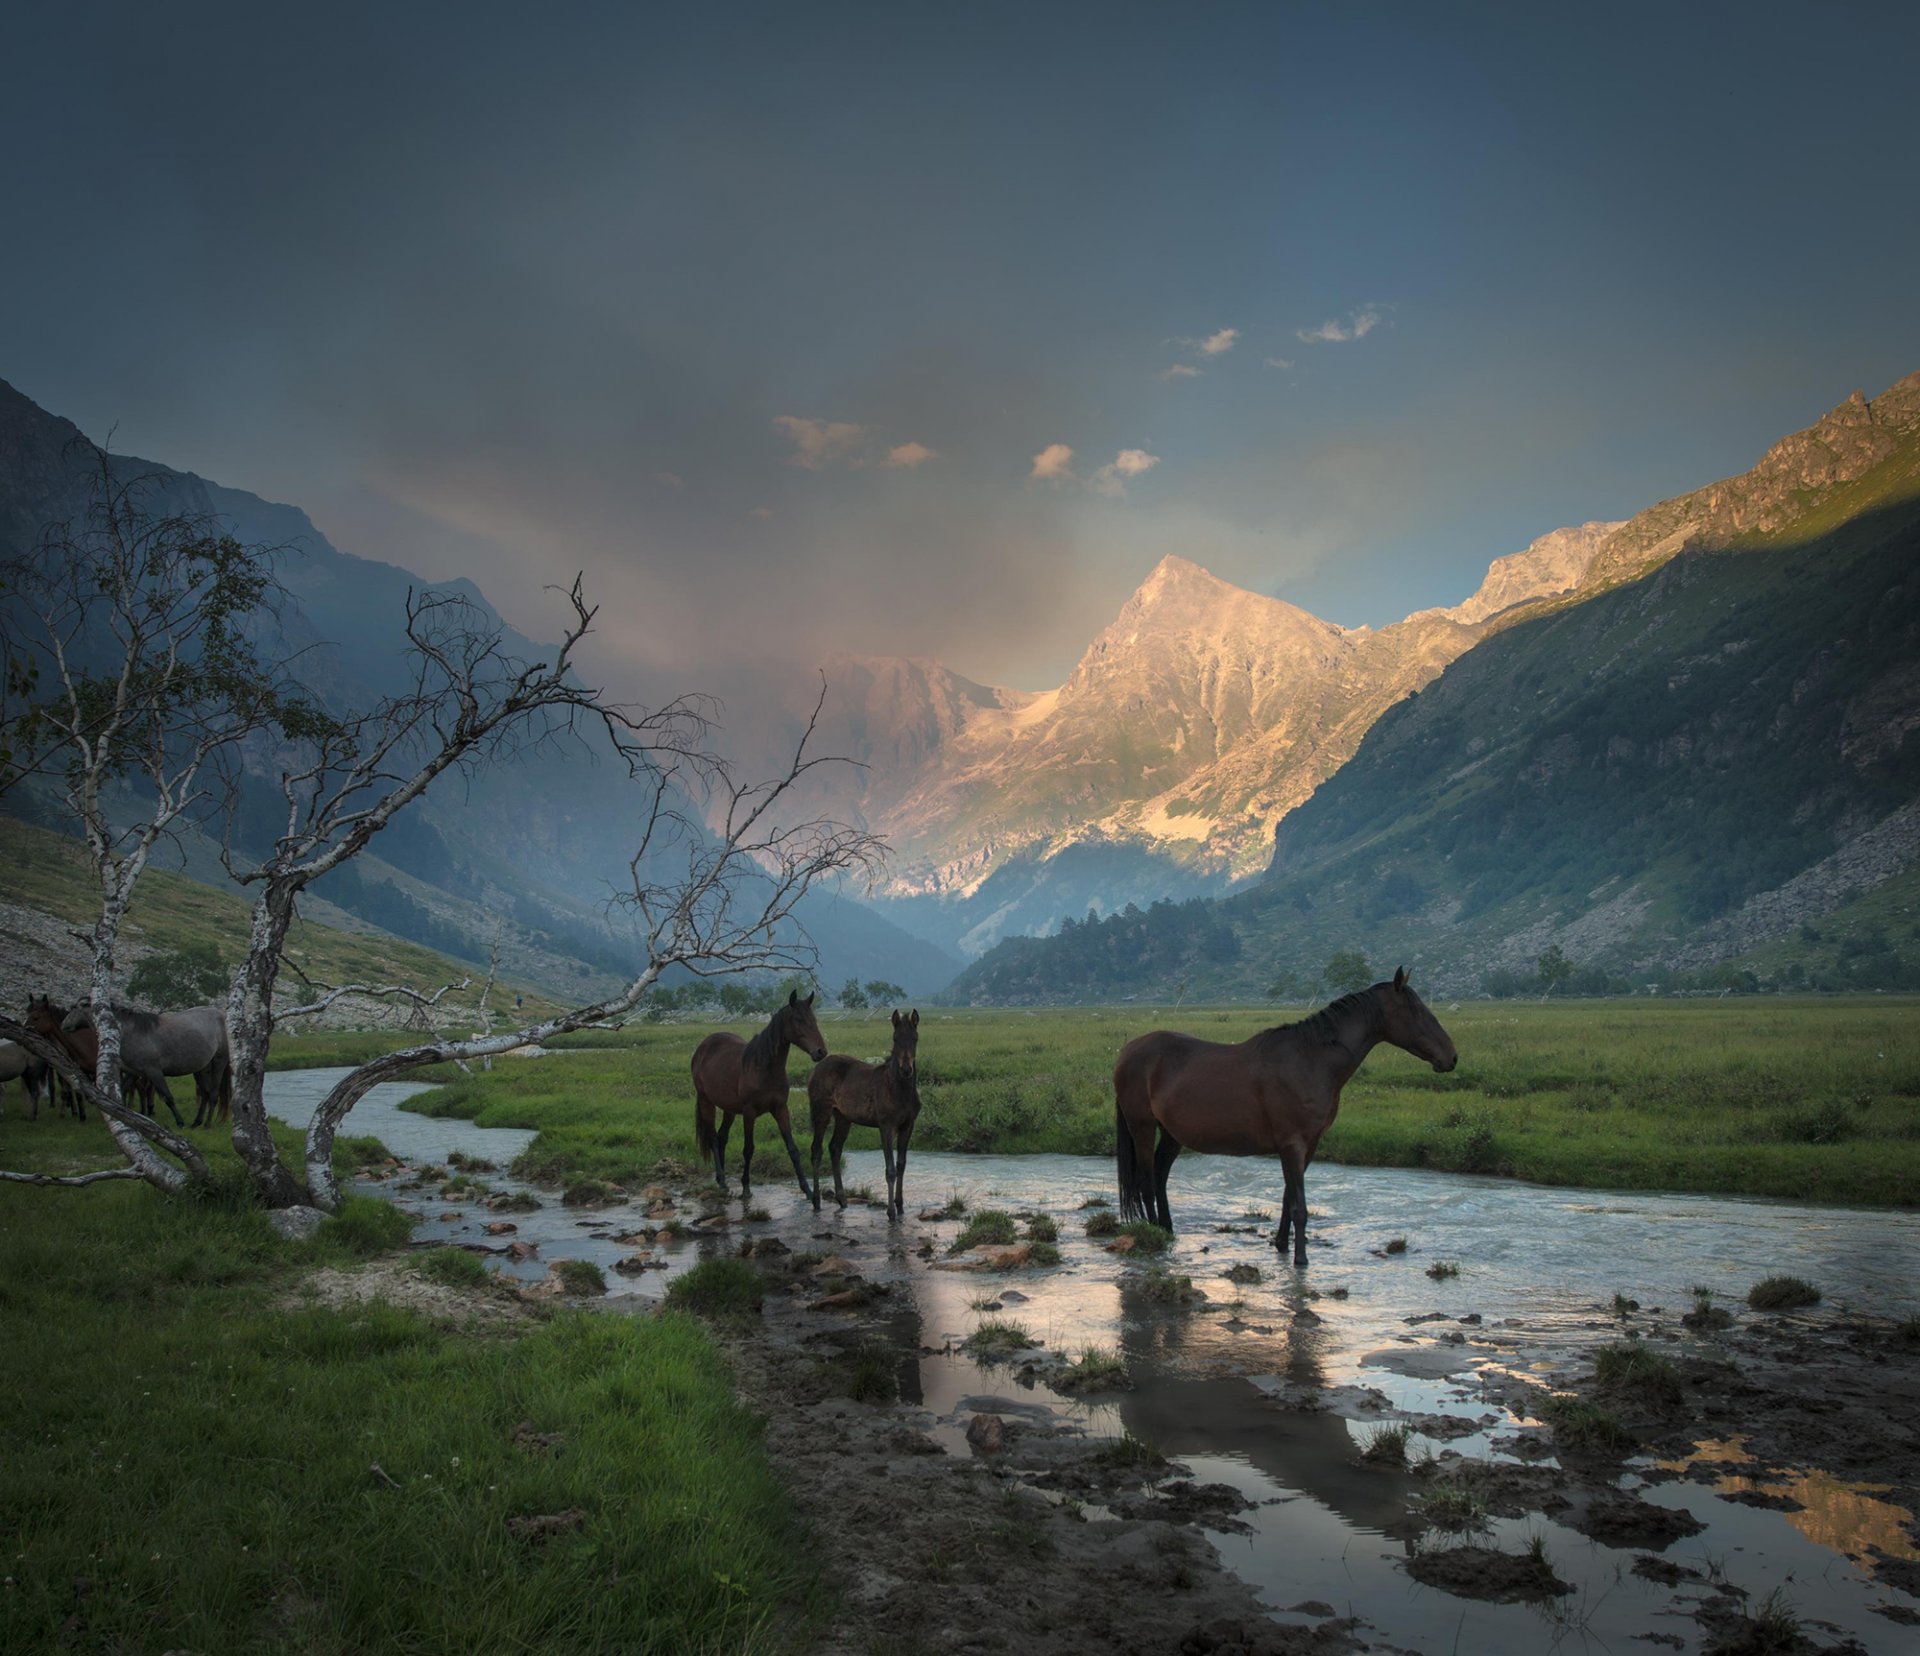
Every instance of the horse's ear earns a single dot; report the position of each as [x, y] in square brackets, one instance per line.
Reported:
[793, 997]
[810, 997]
[1400, 978]
[915, 1018]
[896, 1020]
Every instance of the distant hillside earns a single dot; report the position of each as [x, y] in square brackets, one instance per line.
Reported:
[531, 847]
[46, 889]
[1696, 758]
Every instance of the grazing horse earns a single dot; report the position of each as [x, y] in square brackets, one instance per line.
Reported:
[18, 1064]
[1271, 1095]
[48, 1021]
[155, 1045]
[748, 1079]
[886, 1096]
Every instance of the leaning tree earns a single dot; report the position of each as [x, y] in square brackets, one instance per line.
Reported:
[716, 870]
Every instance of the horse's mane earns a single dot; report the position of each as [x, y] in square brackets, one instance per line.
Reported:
[1324, 1025]
[131, 1017]
[764, 1047]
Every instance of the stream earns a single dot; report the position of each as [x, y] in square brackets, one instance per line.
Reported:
[1368, 1333]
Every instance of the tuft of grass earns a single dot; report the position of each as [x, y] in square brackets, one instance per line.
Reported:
[1148, 1238]
[1386, 1446]
[718, 1288]
[1395, 1245]
[1128, 1450]
[870, 1372]
[757, 1216]
[1104, 1223]
[592, 1193]
[956, 1207]
[1632, 1371]
[453, 1268]
[1441, 1269]
[1453, 1508]
[1096, 1369]
[1772, 1630]
[998, 1337]
[1096, 1202]
[1041, 1228]
[1580, 1425]
[1044, 1253]
[1245, 1273]
[580, 1276]
[989, 1225]
[1624, 1307]
[364, 1227]
[1164, 1287]
[1782, 1293]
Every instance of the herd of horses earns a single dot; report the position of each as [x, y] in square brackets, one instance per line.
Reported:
[1273, 1094]
[154, 1046]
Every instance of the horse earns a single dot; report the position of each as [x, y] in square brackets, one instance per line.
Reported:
[886, 1096]
[748, 1079]
[1272, 1094]
[155, 1045]
[47, 1020]
[18, 1064]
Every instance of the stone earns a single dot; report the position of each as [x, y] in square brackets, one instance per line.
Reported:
[987, 1433]
[297, 1224]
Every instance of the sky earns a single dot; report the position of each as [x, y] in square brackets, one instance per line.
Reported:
[929, 331]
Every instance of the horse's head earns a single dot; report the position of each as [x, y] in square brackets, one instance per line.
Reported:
[1411, 1026]
[906, 1044]
[43, 1017]
[796, 1021]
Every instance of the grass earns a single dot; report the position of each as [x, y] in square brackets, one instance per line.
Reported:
[718, 1288]
[1699, 1094]
[989, 1225]
[1103, 1223]
[580, 1276]
[1395, 1245]
[1782, 1293]
[1163, 1287]
[1096, 1369]
[1128, 1450]
[999, 1337]
[213, 1485]
[1441, 1269]
[1148, 1238]
[1041, 1228]
[1386, 1446]
[1632, 1372]
[453, 1268]
[1453, 1508]
[1583, 1426]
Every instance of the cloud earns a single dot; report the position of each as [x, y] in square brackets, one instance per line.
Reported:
[1053, 462]
[821, 443]
[1180, 370]
[1112, 478]
[762, 512]
[669, 480]
[1218, 344]
[1279, 362]
[911, 455]
[1358, 325]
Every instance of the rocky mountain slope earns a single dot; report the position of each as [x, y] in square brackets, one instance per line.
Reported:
[1191, 725]
[1707, 746]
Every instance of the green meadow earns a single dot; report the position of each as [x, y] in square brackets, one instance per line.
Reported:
[189, 1452]
[1814, 1099]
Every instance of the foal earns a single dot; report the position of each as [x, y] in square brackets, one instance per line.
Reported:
[886, 1096]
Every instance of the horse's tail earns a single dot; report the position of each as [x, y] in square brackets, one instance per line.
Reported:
[1136, 1179]
[703, 1126]
[226, 1089]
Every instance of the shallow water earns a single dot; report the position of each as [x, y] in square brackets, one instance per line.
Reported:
[1538, 1268]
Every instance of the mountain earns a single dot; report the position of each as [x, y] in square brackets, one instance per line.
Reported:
[533, 845]
[1191, 725]
[1706, 748]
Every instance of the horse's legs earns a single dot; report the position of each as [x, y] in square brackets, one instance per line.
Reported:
[1293, 1206]
[720, 1133]
[783, 1119]
[158, 1083]
[900, 1169]
[746, 1154]
[841, 1127]
[819, 1135]
[886, 1157]
[1163, 1158]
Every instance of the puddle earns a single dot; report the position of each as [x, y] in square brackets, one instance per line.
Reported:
[1367, 1337]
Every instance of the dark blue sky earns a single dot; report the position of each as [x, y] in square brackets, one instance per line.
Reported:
[774, 309]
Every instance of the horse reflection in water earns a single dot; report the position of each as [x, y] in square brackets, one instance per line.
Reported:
[1274, 1094]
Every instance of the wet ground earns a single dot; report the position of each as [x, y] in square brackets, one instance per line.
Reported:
[1790, 1463]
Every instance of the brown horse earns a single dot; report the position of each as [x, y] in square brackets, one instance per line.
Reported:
[886, 1096]
[45, 1020]
[1271, 1095]
[748, 1079]
[18, 1064]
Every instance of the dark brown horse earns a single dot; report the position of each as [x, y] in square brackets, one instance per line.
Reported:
[886, 1096]
[1271, 1095]
[45, 1020]
[748, 1079]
